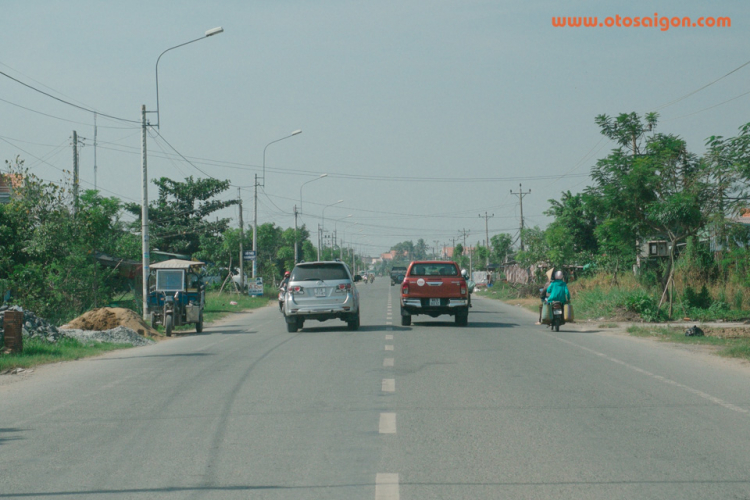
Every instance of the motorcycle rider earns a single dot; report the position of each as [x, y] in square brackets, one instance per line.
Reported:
[282, 289]
[557, 291]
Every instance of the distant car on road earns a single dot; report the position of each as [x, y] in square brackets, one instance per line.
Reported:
[397, 274]
[434, 288]
[321, 291]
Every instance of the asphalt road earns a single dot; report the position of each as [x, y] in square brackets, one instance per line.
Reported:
[499, 409]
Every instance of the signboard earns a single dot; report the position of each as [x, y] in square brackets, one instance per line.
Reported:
[255, 289]
[248, 255]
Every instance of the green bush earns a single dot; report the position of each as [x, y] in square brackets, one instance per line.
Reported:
[644, 305]
[700, 300]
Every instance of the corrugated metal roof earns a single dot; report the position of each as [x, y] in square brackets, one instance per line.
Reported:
[176, 264]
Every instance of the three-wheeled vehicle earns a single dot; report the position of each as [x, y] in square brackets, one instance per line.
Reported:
[176, 294]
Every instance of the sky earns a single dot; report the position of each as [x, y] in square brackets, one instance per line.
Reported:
[424, 114]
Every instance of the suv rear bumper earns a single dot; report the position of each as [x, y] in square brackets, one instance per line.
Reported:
[347, 310]
[448, 306]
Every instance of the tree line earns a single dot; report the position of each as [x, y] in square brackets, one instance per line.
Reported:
[51, 241]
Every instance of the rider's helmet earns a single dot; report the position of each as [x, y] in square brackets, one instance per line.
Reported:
[558, 275]
[287, 274]
[465, 273]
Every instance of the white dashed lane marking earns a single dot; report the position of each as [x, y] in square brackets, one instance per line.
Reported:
[389, 347]
[389, 385]
[388, 322]
[389, 337]
[387, 423]
[388, 362]
[386, 487]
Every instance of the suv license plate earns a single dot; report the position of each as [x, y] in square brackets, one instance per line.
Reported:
[320, 292]
[434, 302]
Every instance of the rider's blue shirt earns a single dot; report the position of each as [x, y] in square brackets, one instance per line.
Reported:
[558, 292]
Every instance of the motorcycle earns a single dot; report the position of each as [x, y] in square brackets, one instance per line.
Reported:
[558, 318]
[282, 293]
[371, 277]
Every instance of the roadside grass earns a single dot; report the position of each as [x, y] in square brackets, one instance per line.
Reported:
[512, 295]
[38, 352]
[733, 347]
[218, 306]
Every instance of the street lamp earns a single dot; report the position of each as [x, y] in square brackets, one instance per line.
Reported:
[211, 32]
[145, 251]
[335, 234]
[296, 251]
[303, 185]
[323, 223]
[296, 132]
[255, 200]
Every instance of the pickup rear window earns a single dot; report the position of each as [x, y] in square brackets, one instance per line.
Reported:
[315, 272]
[434, 270]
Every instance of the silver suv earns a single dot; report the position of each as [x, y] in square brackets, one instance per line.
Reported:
[321, 291]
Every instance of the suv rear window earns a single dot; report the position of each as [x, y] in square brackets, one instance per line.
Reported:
[315, 272]
[434, 270]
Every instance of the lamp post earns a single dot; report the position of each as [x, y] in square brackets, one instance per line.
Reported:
[145, 250]
[211, 32]
[296, 258]
[323, 223]
[335, 234]
[255, 200]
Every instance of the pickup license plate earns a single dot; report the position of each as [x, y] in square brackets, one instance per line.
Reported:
[434, 302]
[320, 292]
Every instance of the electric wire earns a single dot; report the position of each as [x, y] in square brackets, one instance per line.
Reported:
[675, 101]
[83, 108]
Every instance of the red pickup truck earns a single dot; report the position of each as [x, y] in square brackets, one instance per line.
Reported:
[434, 288]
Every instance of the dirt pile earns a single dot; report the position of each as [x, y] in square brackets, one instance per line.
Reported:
[106, 318]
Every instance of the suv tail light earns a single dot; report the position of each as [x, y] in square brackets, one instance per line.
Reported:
[296, 290]
[405, 289]
[343, 287]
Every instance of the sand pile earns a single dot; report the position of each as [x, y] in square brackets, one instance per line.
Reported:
[106, 318]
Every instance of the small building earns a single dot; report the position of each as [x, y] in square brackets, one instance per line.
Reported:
[9, 182]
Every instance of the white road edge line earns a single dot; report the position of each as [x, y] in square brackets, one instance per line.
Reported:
[387, 423]
[386, 486]
[689, 389]
[389, 385]
[388, 362]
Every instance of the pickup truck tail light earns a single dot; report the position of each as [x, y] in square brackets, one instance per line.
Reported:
[297, 290]
[463, 290]
[405, 289]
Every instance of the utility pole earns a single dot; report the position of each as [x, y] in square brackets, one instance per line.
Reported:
[521, 194]
[255, 227]
[436, 247]
[319, 237]
[487, 234]
[296, 256]
[242, 253]
[144, 213]
[94, 150]
[465, 234]
[75, 172]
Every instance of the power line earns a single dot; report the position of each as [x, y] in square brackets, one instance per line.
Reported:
[710, 107]
[66, 102]
[59, 118]
[675, 101]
